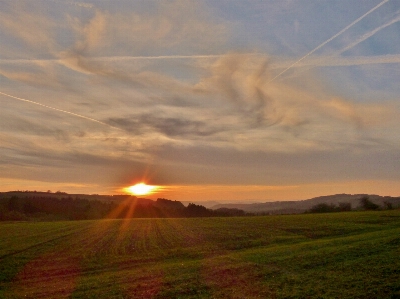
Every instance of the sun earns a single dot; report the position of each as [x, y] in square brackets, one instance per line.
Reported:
[141, 189]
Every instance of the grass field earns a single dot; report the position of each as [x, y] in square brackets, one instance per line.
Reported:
[338, 255]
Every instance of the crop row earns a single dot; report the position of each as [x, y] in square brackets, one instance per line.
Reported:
[271, 256]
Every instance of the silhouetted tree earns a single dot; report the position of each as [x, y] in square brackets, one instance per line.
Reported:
[60, 206]
[388, 205]
[29, 207]
[323, 208]
[193, 210]
[367, 204]
[15, 204]
[344, 206]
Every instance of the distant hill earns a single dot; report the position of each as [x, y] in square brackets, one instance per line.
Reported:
[59, 194]
[300, 206]
[64, 195]
[48, 206]
[211, 203]
[25, 205]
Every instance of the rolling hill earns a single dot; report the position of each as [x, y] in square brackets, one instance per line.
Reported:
[300, 206]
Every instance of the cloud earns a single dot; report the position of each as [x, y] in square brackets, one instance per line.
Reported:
[347, 61]
[335, 60]
[29, 184]
[190, 165]
[231, 79]
[245, 85]
[90, 35]
[178, 26]
[15, 124]
[369, 34]
[171, 127]
[361, 115]
[59, 110]
[41, 74]
[187, 110]
[232, 104]
[233, 101]
[331, 38]
[75, 3]
[82, 159]
[26, 22]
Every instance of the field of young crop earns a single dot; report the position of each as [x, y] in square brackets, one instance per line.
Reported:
[337, 255]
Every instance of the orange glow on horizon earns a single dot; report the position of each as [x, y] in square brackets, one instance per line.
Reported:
[141, 189]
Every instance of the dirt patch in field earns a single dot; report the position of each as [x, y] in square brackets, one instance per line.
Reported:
[238, 279]
[146, 286]
[52, 275]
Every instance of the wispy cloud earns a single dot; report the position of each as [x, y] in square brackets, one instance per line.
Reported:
[109, 94]
[26, 24]
[57, 109]
[367, 35]
[74, 3]
[335, 60]
[349, 60]
[169, 126]
[330, 39]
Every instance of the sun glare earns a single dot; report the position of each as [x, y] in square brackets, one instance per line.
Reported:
[141, 189]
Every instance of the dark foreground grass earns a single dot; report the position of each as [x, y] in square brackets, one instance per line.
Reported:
[341, 255]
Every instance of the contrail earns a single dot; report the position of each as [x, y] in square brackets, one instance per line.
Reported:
[26, 61]
[333, 60]
[368, 35]
[210, 56]
[60, 110]
[330, 60]
[123, 58]
[81, 4]
[328, 40]
[158, 57]
[348, 61]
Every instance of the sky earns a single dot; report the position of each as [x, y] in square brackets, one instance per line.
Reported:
[222, 100]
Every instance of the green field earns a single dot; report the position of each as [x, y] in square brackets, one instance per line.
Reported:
[338, 255]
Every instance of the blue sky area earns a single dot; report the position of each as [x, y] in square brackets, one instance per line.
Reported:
[212, 100]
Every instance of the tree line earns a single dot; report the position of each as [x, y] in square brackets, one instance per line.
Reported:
[365, 204]
[36, 207]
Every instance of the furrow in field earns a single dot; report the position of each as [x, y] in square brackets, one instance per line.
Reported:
[50, 240]
[344, 255]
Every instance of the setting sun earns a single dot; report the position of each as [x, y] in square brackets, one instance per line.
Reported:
[141, 189]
